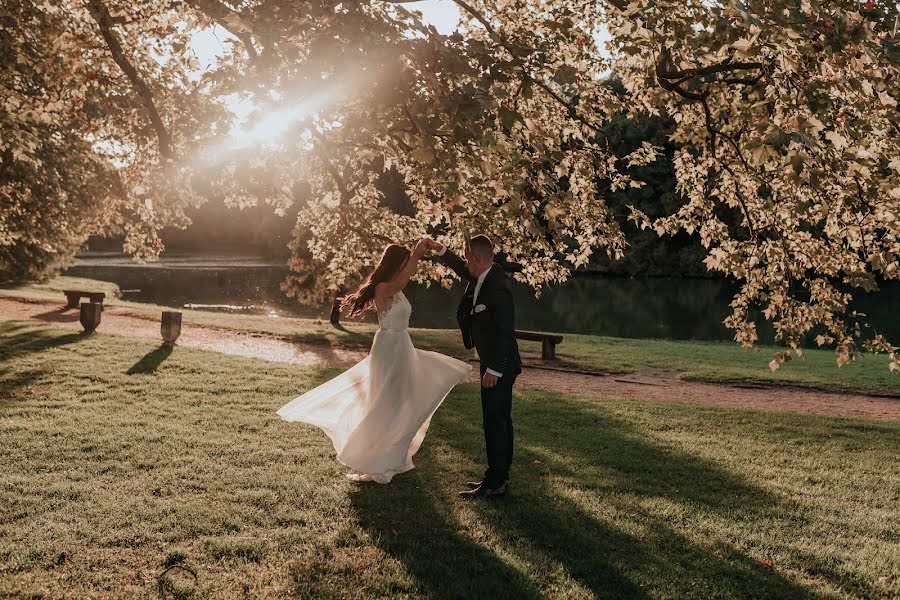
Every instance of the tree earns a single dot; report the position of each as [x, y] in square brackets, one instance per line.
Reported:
[785, 127]
[87, 147]
[787, 116]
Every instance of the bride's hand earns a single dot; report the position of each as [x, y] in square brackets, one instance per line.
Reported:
[421, 248]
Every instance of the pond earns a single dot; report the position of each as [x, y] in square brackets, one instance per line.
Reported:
[673, 308]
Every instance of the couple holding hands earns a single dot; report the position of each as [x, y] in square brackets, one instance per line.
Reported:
[377, 412]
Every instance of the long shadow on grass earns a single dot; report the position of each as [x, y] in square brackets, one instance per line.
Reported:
[600, 459]
[411, 524]
[21, 339]
[150, 361]
[11, 381]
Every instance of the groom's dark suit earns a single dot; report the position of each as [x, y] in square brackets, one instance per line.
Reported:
[488, 324]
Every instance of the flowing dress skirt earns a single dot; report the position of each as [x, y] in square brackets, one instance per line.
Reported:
[378, 411]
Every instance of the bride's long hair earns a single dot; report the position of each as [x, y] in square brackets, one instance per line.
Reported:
[363, 299]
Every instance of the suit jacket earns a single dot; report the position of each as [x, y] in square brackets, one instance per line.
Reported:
[490, 331]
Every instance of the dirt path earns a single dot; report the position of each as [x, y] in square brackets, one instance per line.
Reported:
[650, 385]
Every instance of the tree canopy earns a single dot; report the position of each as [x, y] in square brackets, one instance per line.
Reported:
[784, 145]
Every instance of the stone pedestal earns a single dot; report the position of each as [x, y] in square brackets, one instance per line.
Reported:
[170, 328]
[90, 315]
[335, 316]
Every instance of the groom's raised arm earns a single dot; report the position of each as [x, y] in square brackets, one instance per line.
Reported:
[454, 262]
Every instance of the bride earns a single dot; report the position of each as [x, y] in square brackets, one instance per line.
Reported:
[378, 411]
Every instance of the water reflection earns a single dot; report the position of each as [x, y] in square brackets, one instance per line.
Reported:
[640, 307]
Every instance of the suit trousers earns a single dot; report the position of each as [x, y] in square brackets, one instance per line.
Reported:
[496, 412]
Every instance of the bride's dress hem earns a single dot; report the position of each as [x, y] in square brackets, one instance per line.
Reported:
[378, 411]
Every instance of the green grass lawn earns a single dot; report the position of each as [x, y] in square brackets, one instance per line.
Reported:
[120, 458]
[727, 362]
[721, 362]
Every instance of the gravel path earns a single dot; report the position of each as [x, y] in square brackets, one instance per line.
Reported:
[651, 386]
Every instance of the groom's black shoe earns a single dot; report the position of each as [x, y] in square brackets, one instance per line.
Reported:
[484, 492]
[474, 484]
[496, 492]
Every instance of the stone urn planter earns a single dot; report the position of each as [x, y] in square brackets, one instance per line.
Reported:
[90, 315]
[335, 316]
[170, 328]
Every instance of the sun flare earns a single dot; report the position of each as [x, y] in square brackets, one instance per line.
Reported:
[269, 129]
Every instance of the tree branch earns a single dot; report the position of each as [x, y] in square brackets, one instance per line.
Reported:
[570, 108]
[713, 135]
[672, 79]
[725, 66]
[220, 13]
[101, 15]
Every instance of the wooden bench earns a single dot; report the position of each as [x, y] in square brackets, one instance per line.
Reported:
[74, 297]
[548, 342]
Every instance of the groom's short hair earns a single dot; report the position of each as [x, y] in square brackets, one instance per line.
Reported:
[482, 246]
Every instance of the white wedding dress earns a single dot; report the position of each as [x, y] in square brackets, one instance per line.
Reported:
[378, 411]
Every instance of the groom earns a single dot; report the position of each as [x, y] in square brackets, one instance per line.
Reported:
[486, 319]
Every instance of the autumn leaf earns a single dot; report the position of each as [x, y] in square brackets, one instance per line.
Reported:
[886, 99]
[508, 117]
[742, 45]
[836, 139]
[565, 74]
[423, 155]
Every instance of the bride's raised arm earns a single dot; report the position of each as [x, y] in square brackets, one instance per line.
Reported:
[399, 281]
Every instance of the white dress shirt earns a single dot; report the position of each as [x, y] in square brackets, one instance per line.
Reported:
[478, 283]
